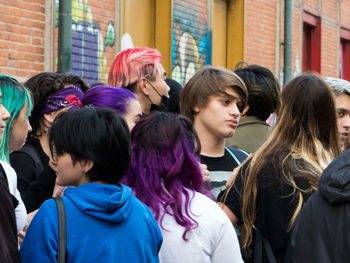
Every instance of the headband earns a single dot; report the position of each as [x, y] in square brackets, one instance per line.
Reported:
[63, 98]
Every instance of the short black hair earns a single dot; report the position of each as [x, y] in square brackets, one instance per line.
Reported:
[99, 135]
[263, 90]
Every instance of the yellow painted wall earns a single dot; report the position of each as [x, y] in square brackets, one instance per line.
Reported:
[235, 33]
[219, 32]
[138, 19]
[227, 32]
[148, 22]
[163, 32]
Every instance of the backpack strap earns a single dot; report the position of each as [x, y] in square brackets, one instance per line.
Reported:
[238, 155]
[29, 150]
[62, 231]
[261, 244]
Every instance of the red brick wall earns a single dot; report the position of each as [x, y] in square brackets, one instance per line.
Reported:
[345, 13]
[260, 33]
[22, 31]
[327, 11]
[22, 34]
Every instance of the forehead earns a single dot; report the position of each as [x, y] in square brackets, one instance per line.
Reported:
[342, 101]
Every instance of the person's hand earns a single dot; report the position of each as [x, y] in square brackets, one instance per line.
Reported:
[205, 172]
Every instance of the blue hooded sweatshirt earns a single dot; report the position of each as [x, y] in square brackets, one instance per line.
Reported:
[105, 223]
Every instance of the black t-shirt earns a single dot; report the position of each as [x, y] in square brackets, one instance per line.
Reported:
[221, 168]
[275, 204]
[35, 186]
[8, 229]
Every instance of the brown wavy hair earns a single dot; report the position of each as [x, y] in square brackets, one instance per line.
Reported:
[306, 131]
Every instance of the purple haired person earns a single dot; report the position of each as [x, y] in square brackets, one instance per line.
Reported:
[122, 101]
[165, 175]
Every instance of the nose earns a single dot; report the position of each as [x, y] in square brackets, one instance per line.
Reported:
[29, 127]
[235, 111]
[5, 115]
[346, 121]
[167, 89]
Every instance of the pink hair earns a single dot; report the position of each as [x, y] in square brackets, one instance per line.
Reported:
[132, 64]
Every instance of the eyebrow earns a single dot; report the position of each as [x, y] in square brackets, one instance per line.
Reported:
[342, 109]
[229, 96]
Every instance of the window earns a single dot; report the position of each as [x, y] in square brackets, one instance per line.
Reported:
[345, 54]
[311, 42]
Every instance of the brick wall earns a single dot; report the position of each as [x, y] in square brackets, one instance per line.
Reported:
[22, 32]
[23, 39]
[260, 33]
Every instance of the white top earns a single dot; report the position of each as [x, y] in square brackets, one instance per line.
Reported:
[20, 210]
[214, 240]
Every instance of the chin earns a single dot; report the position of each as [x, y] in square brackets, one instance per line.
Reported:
[230, 134]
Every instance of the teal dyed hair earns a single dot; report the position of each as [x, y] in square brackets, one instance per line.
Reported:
[14, 97]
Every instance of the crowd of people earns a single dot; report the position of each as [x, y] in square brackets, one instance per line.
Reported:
[141, 169]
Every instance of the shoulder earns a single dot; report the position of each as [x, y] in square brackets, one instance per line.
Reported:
[237, 154]
[206, 209]
[10, 173]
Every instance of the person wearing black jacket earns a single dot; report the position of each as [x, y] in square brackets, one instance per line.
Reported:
[321, 232]
[52, 93]
[8, 230]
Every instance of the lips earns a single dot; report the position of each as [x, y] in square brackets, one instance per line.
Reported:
[344, 135]
[232, 123]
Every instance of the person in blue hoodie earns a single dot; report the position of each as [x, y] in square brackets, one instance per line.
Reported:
[91, 150]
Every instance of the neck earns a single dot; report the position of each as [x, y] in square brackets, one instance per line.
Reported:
[211, 145]
[44, 142]
[144, 102]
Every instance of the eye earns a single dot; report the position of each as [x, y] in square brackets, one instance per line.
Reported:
[340, 113]
[225, 102]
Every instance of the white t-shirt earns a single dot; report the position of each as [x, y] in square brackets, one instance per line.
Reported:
[213, 241]
[20, 210]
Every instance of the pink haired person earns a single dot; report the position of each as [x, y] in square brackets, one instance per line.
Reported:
[139, 70]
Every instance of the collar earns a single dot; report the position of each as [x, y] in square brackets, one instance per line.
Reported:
[251, 120]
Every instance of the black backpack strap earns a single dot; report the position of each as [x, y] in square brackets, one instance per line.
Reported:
[62, 231]
[261, 244]
[29, 150]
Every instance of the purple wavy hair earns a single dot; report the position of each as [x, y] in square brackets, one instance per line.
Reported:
[116, 99]
[164, 168]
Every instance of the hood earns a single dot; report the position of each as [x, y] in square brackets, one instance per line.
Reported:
[110, 203]
[334, 183]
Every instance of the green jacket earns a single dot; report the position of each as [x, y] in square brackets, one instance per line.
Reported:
[250, 134]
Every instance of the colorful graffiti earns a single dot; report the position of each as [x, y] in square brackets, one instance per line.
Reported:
[191, 39]
[88, 44]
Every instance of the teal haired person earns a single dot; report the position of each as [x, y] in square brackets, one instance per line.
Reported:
[17, 100]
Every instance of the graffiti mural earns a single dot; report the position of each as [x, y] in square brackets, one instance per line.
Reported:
[88, 43]
[191, 39]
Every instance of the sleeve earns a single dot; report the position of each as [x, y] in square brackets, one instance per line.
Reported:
[40, 242]
[232, 198]
[8, 233]
[227, 248]
[20, 210]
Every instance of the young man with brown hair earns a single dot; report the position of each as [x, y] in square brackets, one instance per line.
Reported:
[213, 100]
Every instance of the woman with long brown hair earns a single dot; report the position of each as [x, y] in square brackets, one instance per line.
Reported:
[271, 187]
